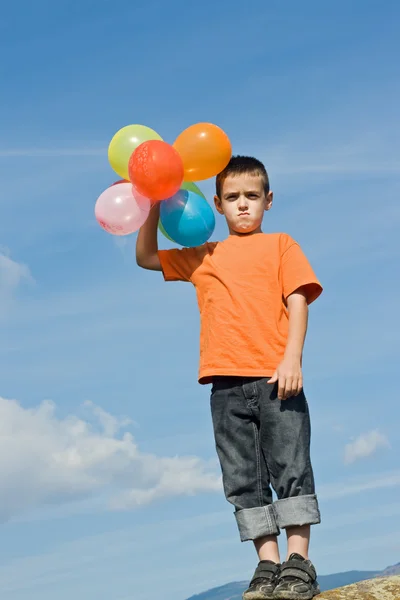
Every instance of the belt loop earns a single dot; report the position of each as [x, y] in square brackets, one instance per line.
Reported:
[250, 390]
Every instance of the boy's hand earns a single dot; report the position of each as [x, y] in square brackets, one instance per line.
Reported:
[147, 242]
[289, 377]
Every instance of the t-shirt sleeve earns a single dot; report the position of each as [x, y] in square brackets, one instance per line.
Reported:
[179, 264]
[297, 272]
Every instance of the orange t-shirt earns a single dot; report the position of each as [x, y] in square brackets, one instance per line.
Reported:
[242, 284]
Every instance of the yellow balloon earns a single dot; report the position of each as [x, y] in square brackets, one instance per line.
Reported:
[124, 142]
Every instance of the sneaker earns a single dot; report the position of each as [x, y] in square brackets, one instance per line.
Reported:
[297, 580]
[262, 585]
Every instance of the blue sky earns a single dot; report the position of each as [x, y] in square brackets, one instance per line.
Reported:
[110, 486]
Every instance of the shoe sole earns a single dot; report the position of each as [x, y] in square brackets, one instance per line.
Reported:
[258, 596]
[295, 595]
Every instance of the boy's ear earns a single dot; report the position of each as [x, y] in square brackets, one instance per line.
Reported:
[218, 205]
[268, 200]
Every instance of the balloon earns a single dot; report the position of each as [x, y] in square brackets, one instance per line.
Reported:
[187, 218]
[192, 187]
[161, 228]
[186, 185]
[120, 181]
[121, 210]
[156, 170]
[205, 150]
[124, 142]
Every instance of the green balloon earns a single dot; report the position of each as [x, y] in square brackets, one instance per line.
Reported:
[161, 228]
[192, 187]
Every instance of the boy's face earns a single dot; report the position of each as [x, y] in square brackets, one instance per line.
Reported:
[243, 203]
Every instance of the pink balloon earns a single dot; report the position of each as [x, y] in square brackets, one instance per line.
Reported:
[121, 210]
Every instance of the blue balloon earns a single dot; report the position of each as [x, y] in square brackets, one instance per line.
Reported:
[187, 218]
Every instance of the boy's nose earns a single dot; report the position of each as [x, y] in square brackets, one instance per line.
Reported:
[243, 202]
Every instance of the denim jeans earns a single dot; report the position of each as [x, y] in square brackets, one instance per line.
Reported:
[263, 442]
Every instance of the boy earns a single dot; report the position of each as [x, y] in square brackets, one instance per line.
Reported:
[253, 291]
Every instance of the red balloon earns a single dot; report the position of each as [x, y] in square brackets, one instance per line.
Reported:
[119, 181]
[156, 170]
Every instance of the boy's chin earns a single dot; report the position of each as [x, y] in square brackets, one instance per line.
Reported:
[245, 229]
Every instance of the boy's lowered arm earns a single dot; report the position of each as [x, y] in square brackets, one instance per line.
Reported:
[298, 322]
[147, 243]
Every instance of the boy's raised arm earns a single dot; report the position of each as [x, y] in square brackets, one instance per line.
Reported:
[147, 243]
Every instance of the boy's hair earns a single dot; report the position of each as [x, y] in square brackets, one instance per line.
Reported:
[239, 165]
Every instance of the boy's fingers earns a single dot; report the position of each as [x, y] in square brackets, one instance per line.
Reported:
[289, 387]
[299, 386]
[293, 388]
[281, 388]
[274, 378]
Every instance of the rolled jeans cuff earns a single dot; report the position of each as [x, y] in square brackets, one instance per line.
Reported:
[256, 522]
[297, 511]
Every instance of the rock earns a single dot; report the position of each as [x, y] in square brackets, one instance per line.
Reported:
[389, 571]
[383, 588]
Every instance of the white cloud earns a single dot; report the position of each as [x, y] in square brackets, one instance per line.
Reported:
[361, 515]
[49, 460]
[365, 445]
[374, 481]
[353, 546]
[12, 274]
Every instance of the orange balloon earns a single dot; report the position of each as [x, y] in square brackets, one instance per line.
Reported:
[205, 150]
[156, 170]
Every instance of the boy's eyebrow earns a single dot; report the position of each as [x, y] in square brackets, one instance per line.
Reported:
[247, 192]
